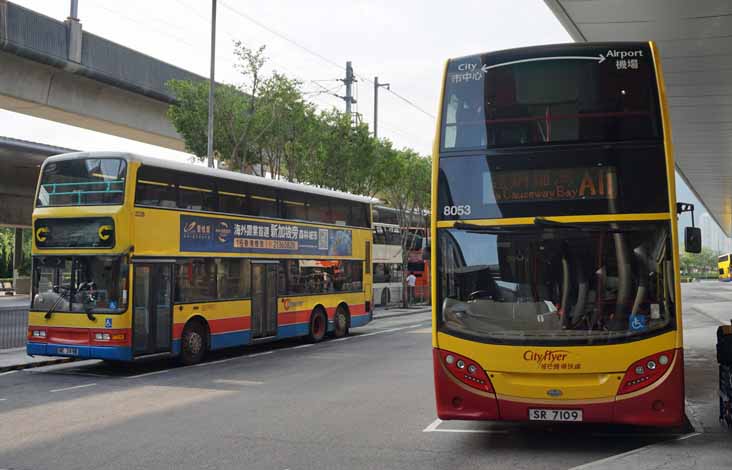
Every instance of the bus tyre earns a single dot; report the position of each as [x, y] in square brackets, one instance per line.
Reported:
[318, 325]
[340, 328]
[193, 343]
[385, 296]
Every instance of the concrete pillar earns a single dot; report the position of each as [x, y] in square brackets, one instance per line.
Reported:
[74, 28]
[3, 22]
[21, 284]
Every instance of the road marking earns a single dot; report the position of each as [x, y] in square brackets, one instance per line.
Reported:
[302, 346]
[602, 462]
[260, 354]
[147, 374]
[433, 425]
[220, 361]
[3, 399]
[72, 388]
[8, 372]
[341, 339]
[390, 330]
[238, 382]
[423, 331]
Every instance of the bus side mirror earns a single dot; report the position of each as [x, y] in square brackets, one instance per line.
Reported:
[693, 240]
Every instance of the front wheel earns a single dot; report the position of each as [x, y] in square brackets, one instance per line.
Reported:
[340, 328]
[318, 326]
[193, 343]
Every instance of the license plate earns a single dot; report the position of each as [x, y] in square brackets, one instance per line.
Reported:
[544, 414]
[68, 351]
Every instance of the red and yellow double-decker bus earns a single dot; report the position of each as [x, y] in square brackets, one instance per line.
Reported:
[134, 256]
[555, 261]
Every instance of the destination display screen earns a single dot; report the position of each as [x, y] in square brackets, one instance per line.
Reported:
[86, 232]
[554, 182]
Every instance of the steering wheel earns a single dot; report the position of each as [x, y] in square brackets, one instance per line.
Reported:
[480, 294]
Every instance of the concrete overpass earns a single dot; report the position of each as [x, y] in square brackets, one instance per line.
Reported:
[55, 70]
[20, 162]
[695, 42]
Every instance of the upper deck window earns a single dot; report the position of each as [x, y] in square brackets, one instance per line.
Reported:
[551, 95]
[83, 182]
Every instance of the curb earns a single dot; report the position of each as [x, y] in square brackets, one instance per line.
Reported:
[403, 314]
[31, 365]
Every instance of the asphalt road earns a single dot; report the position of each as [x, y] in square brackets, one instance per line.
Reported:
[366, 402]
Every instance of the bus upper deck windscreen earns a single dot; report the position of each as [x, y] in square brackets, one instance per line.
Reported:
[558, 130]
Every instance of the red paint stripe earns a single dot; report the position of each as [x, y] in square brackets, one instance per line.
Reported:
[222, 325]
[80, 336]
[291, 318]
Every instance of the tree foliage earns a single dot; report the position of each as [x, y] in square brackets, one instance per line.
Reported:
[265, 126]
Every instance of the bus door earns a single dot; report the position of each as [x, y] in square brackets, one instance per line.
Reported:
[153, 314]
[264, 298]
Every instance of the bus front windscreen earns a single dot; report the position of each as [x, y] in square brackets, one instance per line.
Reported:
[82, 182]
[573, 284]
[555, 94]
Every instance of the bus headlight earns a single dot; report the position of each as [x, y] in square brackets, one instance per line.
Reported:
[449, 358]
[102, 336]
[39, 333]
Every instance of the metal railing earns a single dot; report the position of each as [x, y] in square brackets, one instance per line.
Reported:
[13, 328]
[394, 297]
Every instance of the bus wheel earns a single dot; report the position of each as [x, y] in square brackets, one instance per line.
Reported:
[193, 343]
[385, 294]
[341, 322]
[318, 325]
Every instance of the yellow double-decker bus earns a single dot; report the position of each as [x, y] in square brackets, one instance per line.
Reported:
[555, 262]
[134, 256]
[723, 267]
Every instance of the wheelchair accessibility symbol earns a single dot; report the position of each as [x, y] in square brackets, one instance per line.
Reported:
[107, 323]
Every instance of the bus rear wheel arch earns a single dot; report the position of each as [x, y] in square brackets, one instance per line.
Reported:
[341, 321]
[194, 341]
[318, 325]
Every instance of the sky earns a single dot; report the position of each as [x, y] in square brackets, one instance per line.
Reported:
[404, 43]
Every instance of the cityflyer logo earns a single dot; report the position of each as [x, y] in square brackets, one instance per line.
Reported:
[288, 304]
[190, 226]
[546, 357]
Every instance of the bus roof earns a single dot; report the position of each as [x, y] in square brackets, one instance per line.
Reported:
[215, 172]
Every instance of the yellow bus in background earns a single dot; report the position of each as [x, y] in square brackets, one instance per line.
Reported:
[723, 266]
[135, 256]
[555, 256]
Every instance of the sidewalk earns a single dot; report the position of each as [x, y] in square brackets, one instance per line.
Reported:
[16, 358]
[387, 312]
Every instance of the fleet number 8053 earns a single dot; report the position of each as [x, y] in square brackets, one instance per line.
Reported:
[456, 210]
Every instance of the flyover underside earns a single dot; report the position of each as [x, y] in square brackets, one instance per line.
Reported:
[696, 51]
[39, 90]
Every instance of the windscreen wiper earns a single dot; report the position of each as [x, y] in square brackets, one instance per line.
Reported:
[541, 221]
[65, 291]
[492, 229]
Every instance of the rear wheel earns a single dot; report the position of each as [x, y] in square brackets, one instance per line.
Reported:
[318, 325]
[193, 343]
[340, 328]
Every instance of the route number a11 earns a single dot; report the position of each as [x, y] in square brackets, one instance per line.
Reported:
[456, 210]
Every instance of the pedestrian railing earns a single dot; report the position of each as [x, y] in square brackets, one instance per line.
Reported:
[395, 297]
[13, 328]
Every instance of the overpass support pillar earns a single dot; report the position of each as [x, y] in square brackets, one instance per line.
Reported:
[21, 284]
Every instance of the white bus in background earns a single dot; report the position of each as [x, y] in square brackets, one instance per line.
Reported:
[387, 263]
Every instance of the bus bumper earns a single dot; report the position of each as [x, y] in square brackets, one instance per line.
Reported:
[114, 353]
[659, 404]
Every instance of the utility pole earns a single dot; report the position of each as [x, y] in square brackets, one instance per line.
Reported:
[377, 85]
[211, 85]
[349, 80]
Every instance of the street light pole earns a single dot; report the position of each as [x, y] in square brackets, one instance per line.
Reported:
[211, 85]
[377, 85]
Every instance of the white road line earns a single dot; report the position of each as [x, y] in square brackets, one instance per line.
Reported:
[8, 372]
[238, 382]
[260, 354]
[433, 425]
[148, 374]
[3, 399]
[72, 388]
[602, 462]
[341, 339]
[220, 361]
[302, 346]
